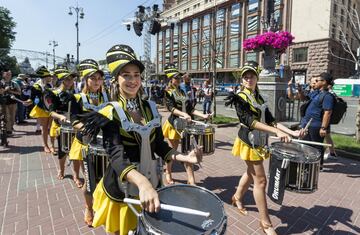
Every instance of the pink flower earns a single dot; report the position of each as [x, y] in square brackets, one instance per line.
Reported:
[278, 40]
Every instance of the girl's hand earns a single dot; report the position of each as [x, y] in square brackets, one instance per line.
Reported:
[187, 117]
[62, 118]
[149, 197]
[283, 136]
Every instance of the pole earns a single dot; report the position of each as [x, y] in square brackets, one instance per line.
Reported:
[77, 36]
[54, 56]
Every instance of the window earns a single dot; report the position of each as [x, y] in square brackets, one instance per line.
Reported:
[195, 24]
[234, 28]
[194, 51]
[277, 16]
[219, 61]
[220, 31]
[206, 21]
[219, 46]
[220, 15]
[235, 10]
[160, 67]
[253, 6]
[206, 35]
[195, 37]
[185, 27]
[251, 56]
[342, 16]
[184, 40]
[168, 33]
[234, 44]
[206, 63]
[335, 10]
[252, 23]
[184, 53]
[206, 49]
[193, 64]
[300, 54]
[234, 61]
[184, 65]
[333, 31]
[176, 30]
[277, 2]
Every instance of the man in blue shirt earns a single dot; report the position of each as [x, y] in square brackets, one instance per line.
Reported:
[319, 110]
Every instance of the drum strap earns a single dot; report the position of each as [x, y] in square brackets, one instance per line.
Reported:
[148, 167]
[276, 186]
[89, 106]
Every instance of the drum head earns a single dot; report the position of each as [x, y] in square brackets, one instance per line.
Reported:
[295, 152]
[193, 197]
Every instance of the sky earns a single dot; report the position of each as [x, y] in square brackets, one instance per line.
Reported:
[41, 21]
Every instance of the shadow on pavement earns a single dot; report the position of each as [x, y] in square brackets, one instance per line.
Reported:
[350, 168]
[318, 219]
[22, 150]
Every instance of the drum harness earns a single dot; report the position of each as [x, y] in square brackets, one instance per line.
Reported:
[89, 106]
[257, 137]
[147, 166]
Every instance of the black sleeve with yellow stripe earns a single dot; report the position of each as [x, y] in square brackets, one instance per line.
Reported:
[76, 108]
[170, 101]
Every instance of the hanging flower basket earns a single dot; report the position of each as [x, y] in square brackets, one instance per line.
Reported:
[269, 40]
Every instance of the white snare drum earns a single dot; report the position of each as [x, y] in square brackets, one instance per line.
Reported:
[302, 174]
[67, 134]
[203, 135]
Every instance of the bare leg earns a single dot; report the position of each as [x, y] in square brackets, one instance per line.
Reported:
[256, 170]
[62, 168]
[44, 123]
[76, 167]
[168, 165]
[89, 214]
[243, 186]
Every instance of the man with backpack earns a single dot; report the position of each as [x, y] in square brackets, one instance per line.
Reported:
[319, 109]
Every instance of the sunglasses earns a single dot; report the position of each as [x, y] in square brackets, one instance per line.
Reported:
[319, 80]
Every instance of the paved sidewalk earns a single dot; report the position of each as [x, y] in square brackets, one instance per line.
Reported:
[33, 201]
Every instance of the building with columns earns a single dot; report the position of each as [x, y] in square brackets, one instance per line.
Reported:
[209, 34]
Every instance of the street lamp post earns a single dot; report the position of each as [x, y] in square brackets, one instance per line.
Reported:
[54, 44]
[81, 15]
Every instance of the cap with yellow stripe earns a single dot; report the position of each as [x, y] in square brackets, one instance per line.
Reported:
[118, 56]
[88, 67]
[42, 72]
[62, 72]
[171, 71]
[250, 66]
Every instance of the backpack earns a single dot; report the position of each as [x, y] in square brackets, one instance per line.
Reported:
[338, 111]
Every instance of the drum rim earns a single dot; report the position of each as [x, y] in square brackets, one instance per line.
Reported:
[224, 217]
[276, 150]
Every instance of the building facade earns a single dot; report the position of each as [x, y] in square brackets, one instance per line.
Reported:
[209, 34]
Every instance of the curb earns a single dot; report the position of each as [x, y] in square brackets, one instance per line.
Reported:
[224, 125]
[350, 155]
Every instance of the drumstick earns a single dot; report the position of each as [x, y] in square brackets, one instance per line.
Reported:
[198, 122]
[167, 207]
[304, 141]
[18, 100]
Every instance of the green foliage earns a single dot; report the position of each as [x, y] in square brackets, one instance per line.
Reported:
[220, 119]
[346, 143]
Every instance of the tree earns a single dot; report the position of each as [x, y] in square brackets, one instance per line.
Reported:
[7, 33]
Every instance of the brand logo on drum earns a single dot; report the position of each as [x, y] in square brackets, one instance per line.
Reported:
[207, 223]
[276, 184]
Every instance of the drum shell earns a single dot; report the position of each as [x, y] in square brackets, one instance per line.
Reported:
[203, 137]
[67, 134]
[302, 174]
[194, 197]
[99, 159]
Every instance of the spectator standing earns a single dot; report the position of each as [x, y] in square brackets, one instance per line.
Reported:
[187, 88]
[320, 110]
[8, 105]
[208, 95]
[20, 112]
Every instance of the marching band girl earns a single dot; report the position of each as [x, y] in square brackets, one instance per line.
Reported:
[179, 105]
[132, 135]
[89, 99]
[256, 120]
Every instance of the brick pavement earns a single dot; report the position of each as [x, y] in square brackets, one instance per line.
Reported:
[33, 201]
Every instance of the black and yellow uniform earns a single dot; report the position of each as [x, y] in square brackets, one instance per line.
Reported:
[37, 93]
[60, 99]
[110, 210]
[79, 106]
[248, 116]
[173, 98]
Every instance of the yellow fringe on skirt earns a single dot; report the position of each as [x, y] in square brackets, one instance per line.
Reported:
[38, 112]
[113, 215]
[170, 132]
[76, 150]
[54, 129]
[247, 153]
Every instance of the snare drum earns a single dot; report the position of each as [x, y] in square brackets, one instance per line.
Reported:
[174, 223]
[67, 134]
[203, 135]
[302, 174]
[99, 159]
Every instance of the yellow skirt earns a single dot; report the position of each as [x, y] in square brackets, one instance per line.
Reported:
[76, 150]
[54, 129]
[113, 215]
[170, 132]
[247, 153]
[38, 112]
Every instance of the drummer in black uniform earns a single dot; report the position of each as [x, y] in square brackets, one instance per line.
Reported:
[132, 136]
[180, 106]
[256, 120]
[57, 101]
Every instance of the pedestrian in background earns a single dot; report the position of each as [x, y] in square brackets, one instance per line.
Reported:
[208, 96]
[7, 89]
